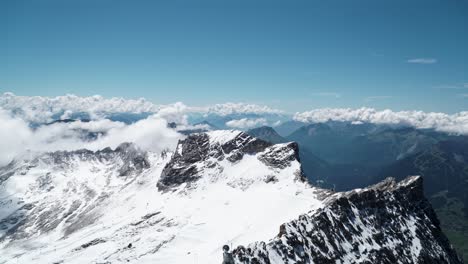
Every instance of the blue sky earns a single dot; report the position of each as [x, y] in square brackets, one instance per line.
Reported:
[293, 55]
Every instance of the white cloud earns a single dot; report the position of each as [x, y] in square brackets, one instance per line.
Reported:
[422, 60]
[246, 123]
[238, 108]
[42, 109]
[13, 135]
[456, 123]
[101, 125]
[150, 134]
[45, 109]
[176, 113]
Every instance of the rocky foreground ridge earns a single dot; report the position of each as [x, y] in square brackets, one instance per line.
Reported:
[389, 222]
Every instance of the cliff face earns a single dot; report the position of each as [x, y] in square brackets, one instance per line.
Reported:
[200, 153]
[386, 223]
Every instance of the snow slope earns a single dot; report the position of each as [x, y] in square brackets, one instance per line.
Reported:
[105, 206]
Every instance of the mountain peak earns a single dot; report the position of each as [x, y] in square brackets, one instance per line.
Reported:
[209, 154]
[267, 133]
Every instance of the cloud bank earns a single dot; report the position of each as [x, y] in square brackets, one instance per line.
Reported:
[239, 108]
[456, 123]
[244, 123]
[29, 117]
[41, 109]
[17, 138]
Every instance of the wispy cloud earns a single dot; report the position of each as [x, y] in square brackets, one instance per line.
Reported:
[448, 87]
[452, 86]
[327, 94]
[151, 134]
[378, 97]
[422, 60]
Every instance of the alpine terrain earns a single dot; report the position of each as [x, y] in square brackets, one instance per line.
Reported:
[127, 205]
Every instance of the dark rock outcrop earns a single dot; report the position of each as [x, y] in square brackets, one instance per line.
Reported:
[280, 156]
[197, 152]
[386, 223]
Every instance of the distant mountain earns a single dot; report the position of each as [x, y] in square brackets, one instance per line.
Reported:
[364, 144]
[332, 141]
[267, 133]
[286, 128]
[67, 120]
[219, 121]
[312, 166]
[127, 118]
[83, 134]
[444, 168]
[200, 127]
[207, 124]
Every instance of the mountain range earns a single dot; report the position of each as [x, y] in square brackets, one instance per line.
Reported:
[182, 205]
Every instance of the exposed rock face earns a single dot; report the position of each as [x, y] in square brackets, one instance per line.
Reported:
[279, 156]
[133, 160]
[386, 223]
[203, 150]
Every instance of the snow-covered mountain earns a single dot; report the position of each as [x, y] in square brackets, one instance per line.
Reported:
[386, 223]
[181, 206]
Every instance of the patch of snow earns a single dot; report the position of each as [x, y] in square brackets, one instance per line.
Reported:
[222, 136]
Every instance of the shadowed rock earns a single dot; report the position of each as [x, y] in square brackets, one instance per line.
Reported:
[197, 149]
[386, 223]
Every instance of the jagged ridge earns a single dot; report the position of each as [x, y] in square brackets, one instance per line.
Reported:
[44, 212]
[205, 150]
[386, 223]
